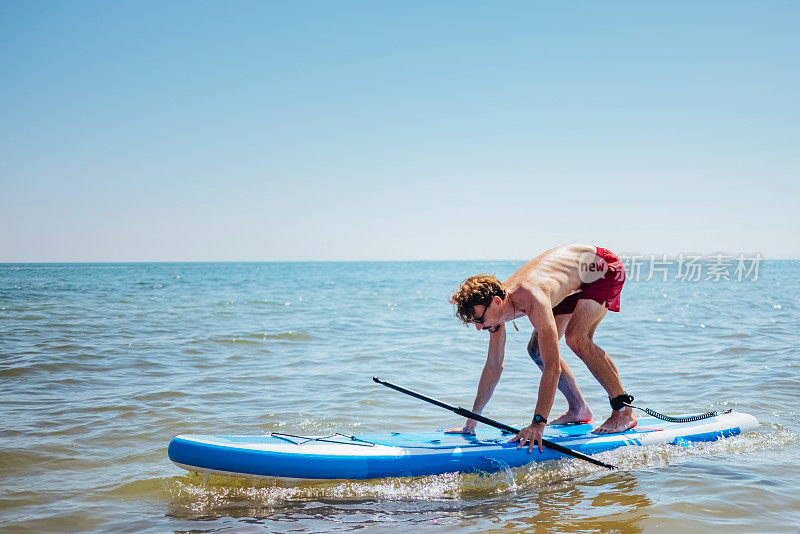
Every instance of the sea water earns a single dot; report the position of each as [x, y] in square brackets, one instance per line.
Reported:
[102, 364]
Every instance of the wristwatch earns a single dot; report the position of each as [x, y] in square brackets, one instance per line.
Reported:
[539, 419]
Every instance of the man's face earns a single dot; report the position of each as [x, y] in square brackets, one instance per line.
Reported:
[483, 318]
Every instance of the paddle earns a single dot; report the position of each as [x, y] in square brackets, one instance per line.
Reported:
[491, 422]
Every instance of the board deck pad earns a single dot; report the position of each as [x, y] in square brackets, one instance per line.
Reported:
[340, 456]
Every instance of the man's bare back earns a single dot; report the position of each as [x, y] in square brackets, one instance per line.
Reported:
[556, 272]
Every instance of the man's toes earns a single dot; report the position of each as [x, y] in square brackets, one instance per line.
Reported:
[564, 419]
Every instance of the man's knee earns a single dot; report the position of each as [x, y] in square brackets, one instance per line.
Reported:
[578, 341]
[533, 350]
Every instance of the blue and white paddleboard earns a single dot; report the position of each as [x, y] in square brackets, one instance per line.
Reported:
[413, 454]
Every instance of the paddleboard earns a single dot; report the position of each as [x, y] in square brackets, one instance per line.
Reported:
[341, 456]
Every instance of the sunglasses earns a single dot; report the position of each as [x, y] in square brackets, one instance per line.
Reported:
[479, 320]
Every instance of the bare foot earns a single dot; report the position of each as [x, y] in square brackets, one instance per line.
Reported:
[460, 430]
[582, 415]
[618, 422]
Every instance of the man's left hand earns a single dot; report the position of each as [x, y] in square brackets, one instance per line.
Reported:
[532, 435]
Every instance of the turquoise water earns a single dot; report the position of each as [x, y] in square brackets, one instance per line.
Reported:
[102, 364]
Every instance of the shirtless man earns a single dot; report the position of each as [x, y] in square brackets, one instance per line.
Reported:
[565, 291]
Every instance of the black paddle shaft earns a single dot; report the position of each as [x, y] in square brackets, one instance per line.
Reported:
[491, 422]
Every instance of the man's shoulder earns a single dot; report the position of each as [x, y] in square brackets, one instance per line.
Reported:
[531, 292]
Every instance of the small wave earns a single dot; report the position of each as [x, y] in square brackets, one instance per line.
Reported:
[22, 460]
[294, 336]
[160, 395]
[14, 372]
[49, 458]
[233, 341]
[255, 339]
[31, 317]
[112, 408]
[45, 367]
[666, 454]
[195, 489]
[140, 488]
[738, 335]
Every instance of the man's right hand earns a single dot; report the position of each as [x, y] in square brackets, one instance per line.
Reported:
[468, 428]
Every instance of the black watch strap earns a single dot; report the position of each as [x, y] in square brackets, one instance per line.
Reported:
[539, 419]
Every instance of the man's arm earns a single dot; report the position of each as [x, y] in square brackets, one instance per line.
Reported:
[490, 376]
[541, 316]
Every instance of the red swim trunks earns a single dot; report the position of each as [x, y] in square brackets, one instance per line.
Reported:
[605, 275]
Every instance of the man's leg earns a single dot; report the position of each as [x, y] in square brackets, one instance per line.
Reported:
[577, 410]
[580, 334]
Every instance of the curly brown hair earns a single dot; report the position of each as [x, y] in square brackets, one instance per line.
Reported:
[478, 290]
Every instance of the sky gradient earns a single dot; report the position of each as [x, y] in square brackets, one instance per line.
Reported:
[273, 131]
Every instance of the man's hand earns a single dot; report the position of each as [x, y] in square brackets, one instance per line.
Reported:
[532, 435]
[468, 428]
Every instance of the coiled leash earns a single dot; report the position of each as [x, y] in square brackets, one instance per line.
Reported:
[620, 402]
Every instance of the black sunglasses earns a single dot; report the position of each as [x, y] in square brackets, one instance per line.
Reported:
[479, 320]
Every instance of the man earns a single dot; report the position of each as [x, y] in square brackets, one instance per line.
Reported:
[565, 291]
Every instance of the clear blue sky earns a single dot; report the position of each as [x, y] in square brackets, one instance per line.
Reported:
[141, 131]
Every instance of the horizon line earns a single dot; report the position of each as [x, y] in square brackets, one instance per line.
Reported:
[119, 262]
